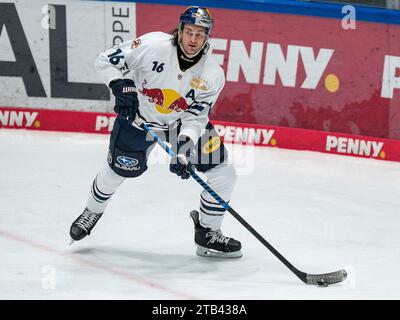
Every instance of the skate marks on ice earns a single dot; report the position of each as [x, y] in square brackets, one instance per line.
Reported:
[74, 270]
[171, 269]
[321, 211]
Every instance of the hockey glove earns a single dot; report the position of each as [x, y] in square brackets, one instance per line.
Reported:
[183, 152]
[126, 101]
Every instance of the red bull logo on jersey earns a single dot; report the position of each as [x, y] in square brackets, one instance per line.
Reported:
[165, 100]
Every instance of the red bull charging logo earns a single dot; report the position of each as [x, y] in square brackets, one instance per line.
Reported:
[165, 100]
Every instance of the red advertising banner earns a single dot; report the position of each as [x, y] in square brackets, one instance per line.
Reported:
[230, 132]
[55, 120]
[300, 71]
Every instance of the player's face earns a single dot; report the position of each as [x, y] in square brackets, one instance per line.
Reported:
[193, 38]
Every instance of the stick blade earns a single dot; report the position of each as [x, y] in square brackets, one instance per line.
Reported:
[325, 279]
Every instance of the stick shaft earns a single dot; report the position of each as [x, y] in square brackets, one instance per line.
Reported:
[222, 202]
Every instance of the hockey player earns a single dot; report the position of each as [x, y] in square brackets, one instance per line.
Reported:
[171, 83]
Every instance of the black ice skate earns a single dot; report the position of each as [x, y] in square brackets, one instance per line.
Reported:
[82, 226]
[212, 243]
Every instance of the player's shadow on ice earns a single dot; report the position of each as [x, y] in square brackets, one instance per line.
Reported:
[160, 264]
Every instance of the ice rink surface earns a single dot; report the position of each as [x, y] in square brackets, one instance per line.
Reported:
[322, 212]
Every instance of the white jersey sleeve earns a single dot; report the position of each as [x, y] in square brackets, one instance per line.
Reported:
[117, 61]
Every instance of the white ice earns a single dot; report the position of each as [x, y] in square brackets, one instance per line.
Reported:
[322, 212]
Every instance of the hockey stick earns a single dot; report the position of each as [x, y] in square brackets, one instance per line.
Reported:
[323, 279]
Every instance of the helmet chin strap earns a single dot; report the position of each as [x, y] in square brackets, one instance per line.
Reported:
[190, 56]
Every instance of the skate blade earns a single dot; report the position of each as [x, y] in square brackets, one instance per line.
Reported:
[205, 252]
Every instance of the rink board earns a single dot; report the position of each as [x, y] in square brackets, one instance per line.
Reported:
[230, 132]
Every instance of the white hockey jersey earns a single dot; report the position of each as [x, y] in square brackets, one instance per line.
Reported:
[166, 94]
